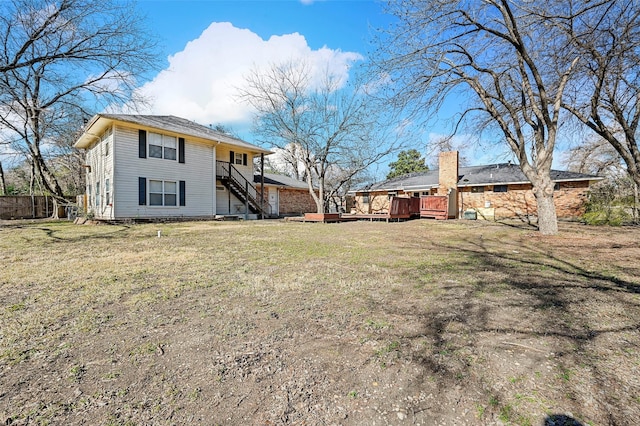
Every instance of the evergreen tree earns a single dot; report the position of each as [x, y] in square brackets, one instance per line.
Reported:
[408, 162]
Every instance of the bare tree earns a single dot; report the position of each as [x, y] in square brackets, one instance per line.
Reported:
[18, 179]
[597, 156]
[58, 56]
[332, 130]
[288, 160]
[3, 182]
[594, 156]
[605, 93]
[500, 57]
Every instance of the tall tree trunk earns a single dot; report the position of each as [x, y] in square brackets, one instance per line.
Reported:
[32, 181]
[547, 217]
[47, 178]
[3, 183]
[312, 191]
[635, 202]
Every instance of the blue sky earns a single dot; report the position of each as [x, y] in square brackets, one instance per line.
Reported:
[337, 24]
[210, 45]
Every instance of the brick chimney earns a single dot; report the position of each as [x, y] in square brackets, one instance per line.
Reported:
[448, 173]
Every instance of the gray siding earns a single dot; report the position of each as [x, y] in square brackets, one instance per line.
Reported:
[198, 172]
[100, 162]
[123, 167]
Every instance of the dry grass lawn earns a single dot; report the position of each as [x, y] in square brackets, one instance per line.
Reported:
[421, 322]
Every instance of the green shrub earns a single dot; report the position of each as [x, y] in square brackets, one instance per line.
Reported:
[607, 215]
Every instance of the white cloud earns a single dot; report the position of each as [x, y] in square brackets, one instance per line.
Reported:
[202, 80]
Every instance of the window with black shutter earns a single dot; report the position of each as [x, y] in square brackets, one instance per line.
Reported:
[183, 193]
[142, 191]
[181, 150]
[142, 143]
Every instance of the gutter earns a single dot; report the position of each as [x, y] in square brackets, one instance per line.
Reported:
[595, 178]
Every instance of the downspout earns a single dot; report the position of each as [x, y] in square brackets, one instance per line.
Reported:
[262, 185]
[246, 199]
[214, 207]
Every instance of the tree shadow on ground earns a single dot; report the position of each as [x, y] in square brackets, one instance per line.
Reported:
[561, 420]
[116, 232]
[521, 291]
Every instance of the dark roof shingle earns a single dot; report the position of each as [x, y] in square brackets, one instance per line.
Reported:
[491, 174]
[173, 124]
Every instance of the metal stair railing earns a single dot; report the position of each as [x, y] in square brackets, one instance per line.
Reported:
[241, 187]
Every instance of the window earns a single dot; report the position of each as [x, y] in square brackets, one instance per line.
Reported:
[162, 193]
[392, 194]
[106, 137]
[556, 186]
[477, 189]
[162, 146]
[106, 134]
[238, 158]
[365, 198]
[169, 148]
[499, 188]
[107, 192]
[98, 194]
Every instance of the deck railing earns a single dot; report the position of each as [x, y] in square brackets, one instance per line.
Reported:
[239, 184]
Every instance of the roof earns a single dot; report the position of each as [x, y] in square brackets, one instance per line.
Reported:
[281, 180]
[166, 123]
[501, 174]
[491, 174]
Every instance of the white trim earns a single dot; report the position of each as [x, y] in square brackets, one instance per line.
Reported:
[164, 193]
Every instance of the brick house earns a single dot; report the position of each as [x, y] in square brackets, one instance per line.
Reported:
[493, 191]
[286, 196]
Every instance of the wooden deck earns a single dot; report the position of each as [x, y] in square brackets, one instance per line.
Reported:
[322, 217]
[343, 218]
[374, 216]
[401, 208]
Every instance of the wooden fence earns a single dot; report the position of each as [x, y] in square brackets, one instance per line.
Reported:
[25, 207]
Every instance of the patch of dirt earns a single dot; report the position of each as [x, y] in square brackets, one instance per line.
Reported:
[503, 327]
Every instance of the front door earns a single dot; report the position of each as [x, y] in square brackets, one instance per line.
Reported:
[273, 200]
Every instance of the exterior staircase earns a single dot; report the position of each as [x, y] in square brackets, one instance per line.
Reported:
[242, 189]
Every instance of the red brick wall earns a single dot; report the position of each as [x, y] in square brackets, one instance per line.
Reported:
[296, 201]
[519, 201]
[571, 199]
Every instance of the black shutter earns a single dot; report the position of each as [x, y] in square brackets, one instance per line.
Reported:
[181, 150]
[142, 143]
[244, 159]
[183, 193]
[142, 191]
[232, 157]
